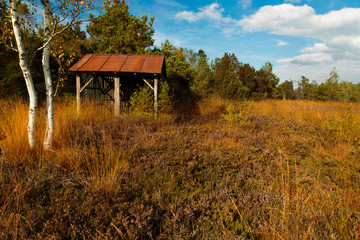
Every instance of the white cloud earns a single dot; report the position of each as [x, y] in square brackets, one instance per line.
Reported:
[245, 3]
[281, 43]
[316, 48]
[294, 72]
[348, 71]
[309, 59]
[337, 33]
[188, 16]
[211, 12]
[302, 21]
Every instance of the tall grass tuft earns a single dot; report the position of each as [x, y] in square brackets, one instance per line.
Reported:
[13, 128]
[75, 144]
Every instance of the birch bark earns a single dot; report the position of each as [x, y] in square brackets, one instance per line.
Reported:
[50, 125]
[25, 68]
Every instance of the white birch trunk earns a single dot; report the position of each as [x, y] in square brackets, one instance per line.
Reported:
[50, 125]
[24, 65]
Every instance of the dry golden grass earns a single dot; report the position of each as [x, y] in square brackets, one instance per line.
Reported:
[264, 170]
[13, 125]
[333, 148]
[70, 131]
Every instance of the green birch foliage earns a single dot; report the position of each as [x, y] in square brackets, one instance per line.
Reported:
[117, 31]
[332, 86]
[285, 90]
[307, 90]
[5, 24]
[12, 83]
[349, 92]
[66, 50]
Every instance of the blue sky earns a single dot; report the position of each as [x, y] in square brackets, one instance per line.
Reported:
[299, 37]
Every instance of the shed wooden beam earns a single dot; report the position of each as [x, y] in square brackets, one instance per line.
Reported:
[86, 84]
[156, 107]
[117, 96]
[152, 88]
[78, 100]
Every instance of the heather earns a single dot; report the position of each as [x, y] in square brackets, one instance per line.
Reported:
[219, 170]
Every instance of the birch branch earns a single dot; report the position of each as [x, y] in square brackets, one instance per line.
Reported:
[54, 34]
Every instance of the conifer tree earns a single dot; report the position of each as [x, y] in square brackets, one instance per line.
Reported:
[117, 31]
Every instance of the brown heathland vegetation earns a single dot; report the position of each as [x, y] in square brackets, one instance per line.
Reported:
[229, 170]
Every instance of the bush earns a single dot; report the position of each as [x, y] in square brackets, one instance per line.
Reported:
[142, 101]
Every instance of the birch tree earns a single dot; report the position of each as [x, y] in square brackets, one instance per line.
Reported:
[50, 124]
[68, 11]
[25, 68]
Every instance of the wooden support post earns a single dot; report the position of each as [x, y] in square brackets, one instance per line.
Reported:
[117, 96]
[156, 107]
[78, 100]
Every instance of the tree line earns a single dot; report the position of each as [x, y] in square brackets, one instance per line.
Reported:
[190, 73]
[52, 45]
[332, 89]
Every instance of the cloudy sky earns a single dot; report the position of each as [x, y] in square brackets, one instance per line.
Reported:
[299, 37]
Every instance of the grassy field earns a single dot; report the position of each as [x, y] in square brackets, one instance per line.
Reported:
[226, 170]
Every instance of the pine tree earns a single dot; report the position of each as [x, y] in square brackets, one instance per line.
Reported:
[117, 31]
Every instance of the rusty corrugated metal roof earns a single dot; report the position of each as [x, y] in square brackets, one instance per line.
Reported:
[120, 63]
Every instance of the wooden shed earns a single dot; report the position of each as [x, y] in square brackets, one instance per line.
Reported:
[112, 76]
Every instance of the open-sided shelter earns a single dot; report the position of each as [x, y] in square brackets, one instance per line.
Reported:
[108, 76]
